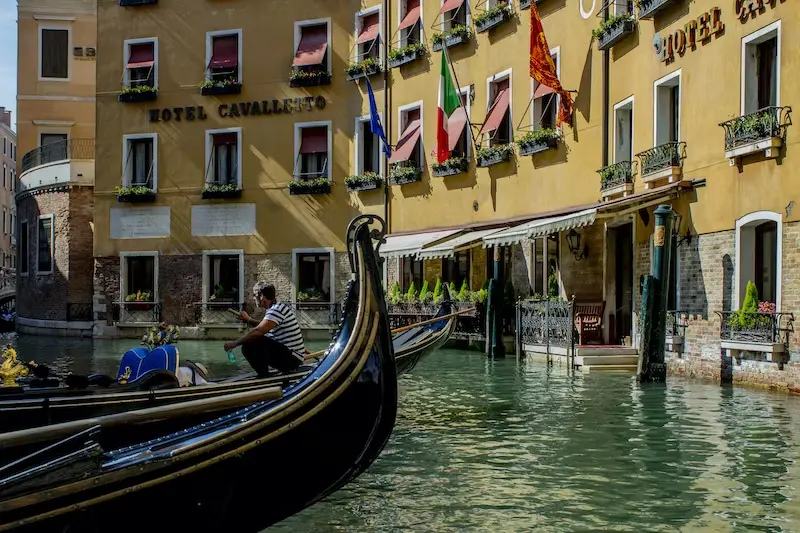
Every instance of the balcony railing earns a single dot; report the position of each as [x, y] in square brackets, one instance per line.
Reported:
[79, 312]
[617, 176]
[79, 149]
[764, 124]
[136, 312]
[216, 313]
[662, 157]
[546, 323]
[316, 315]
[8, 280]
[469, 326]
[755, 327]
[675, 324]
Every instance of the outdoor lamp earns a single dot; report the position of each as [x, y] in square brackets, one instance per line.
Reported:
[574, 243]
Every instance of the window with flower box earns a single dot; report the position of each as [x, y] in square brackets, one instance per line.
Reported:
[407, 158]
[223, 277]
[223, 163]
[140, 72]
[312, 169]
[369, 46]
[223, 62]
[312, 59]
[140, 168]
[496, 132]
[410, 27]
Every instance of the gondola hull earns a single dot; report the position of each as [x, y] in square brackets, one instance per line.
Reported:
[242, 472]
[412, 346]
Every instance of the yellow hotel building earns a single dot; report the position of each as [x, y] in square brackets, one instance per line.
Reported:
[229, 135]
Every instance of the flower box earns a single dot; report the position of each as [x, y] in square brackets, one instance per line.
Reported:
[315, 186]
[648, 8]
[451, 167]
[492, 18]
[139, 306]
[138, 96]
[310, 79]
[537, 141]
[210, 90]
[407, 57]
[363, 186]
[361, 70]
[131, 3]
[494, 156]
[403, 175]
[367, 182]
[137, 198]
[451, 39]
[211, 194]
[613, 31]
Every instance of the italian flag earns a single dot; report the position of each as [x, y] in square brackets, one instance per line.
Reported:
[449, 101]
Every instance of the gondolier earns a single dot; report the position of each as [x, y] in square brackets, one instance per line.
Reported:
[276, 341]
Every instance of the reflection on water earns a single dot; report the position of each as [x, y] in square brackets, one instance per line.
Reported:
[501, 446]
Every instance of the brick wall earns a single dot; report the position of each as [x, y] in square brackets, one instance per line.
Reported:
[180, 286]
[392, 272]
[80, 244]
[584, 278]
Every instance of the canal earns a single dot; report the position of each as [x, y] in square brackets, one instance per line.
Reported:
[487, 446]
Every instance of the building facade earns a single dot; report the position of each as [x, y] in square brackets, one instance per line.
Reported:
[8, 255]
[57, 48]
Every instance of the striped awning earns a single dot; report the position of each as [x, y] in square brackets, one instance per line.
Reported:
[448, 248]
[540, 228]
[410, 245]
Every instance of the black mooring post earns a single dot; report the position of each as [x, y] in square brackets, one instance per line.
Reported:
[494, 311]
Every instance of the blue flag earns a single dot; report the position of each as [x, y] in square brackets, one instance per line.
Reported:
[375, 120]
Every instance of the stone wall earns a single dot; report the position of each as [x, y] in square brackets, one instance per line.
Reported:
[80, 241]
[583, 279]
[392, 272]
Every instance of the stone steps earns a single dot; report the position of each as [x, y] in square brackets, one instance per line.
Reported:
[609, 368]
[602, 360]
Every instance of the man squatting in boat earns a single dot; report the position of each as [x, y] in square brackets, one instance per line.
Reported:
[276, 341]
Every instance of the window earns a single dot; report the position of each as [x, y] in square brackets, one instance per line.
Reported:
[545, 100]
[312, 149]
[368, 148]
[224, 55]
[139, 276]
[54, 147]
[623, 131]
[457, 130]
[223, 277]
[758, 256]
[454, 13]
[5, 146]
[410, 27]
[456, 269]
[498, 127]
[412, 271]
[141, 63]
[223, 157]
[5, 229]
[5, 171]
[667, 108]
[368, 34]
[311, 39]
[313, 275]
[13, 180]
[44, 255]
[761, 69]
[23, 247]
[408, 150]
[13, 152]
[622, 7]
[140, 160]
[54, 53]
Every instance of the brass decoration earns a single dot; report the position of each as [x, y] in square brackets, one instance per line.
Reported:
[658, 238]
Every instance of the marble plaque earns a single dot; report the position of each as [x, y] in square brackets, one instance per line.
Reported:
[139, 222]
[223, 220]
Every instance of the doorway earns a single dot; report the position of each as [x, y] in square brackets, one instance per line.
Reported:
[619, 293]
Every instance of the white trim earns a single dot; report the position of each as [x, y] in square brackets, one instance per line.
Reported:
[662, 81]
[364, 13]
[123, 272]
[402, 42]
[762, 34]
[207, 254]
[359, 121]
[419, 104]
[27, 251]
[54, 17]
[36, 97]
[747, 220]
[54, 123]
[125, 149]
[556, 51]
[126, 54]
[621, 104]
[464, 4]
[210, 49]
[500, 76]
[329, 250]
[210, 146]
[52, 245]
[298, 139]
[55, 26]
[298, 33]
[466, 92]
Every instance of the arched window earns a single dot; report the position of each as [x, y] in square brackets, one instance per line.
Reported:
[758, 256]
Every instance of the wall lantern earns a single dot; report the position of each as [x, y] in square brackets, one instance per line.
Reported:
[574, 243]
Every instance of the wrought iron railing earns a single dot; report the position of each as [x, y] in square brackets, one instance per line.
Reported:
[546, 323]
[136, 312]
[676, 324]
[79, 149]
[661, 157]
[216, 313]
[755, 327]
[469, 326]
[761, 125]
[8, 280]
[316, 315]
[79, 312]
[617, 174]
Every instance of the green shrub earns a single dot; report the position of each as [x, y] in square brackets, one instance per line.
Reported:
[411, 295]
[437, 292]
[424, 294]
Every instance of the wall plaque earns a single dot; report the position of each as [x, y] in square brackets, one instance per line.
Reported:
[223, 220]
[140, 222]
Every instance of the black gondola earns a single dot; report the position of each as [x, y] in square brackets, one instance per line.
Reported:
[228, 473]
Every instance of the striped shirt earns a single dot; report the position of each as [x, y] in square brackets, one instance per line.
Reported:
[287, 332]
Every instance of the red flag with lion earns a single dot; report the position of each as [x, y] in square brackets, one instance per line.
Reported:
[543, 70]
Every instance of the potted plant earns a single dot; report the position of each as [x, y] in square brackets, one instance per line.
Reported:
[450, 167]
[537, 141]
[493, 17]
[220, 190]
[494, 155]
[616, 175]
[138, 93]
[407, 54]
[226, 86]
[135, 194]
[310, 186]
[400, 174]
[364, 68]
[139, 301]
[459, 34]
[303, 77]
[311, 295]
[364, 182]
[613, 30]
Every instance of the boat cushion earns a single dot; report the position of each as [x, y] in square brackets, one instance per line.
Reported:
[139, 361]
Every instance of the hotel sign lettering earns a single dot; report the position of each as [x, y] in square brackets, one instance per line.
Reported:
[744, 8]
[695, 31]
[239, 109]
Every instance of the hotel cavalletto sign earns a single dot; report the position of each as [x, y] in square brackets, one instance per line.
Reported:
[239, 109]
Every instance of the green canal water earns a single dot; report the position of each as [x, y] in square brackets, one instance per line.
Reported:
[502, 446]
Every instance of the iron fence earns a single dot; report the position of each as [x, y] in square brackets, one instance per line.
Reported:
[316, 315]
[79, 149]
[79, 312]
[216, 313]
[760, 125]
[617, 174]
[755, 327]
[136, 312]
[469, 326]
[549, 323]
[662, 157]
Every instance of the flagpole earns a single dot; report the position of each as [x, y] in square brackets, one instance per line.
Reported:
[458, 86]
[386, 114]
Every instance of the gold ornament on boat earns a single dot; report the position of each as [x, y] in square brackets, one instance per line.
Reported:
[161, 335]
[11, 368]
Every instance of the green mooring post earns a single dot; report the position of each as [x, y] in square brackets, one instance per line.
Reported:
[652, 366]
[494, 310]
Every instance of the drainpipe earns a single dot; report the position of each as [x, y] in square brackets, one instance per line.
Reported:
[387, 120]
[606, 82]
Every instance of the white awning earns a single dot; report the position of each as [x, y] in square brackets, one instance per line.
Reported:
[540, 228]
[449, 248]
[410, 245]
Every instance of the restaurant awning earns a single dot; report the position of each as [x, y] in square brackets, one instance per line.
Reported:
[498, 110]
[412, 15]
[448, 248]
[540, 228]
[312, 47]
[409, 245]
